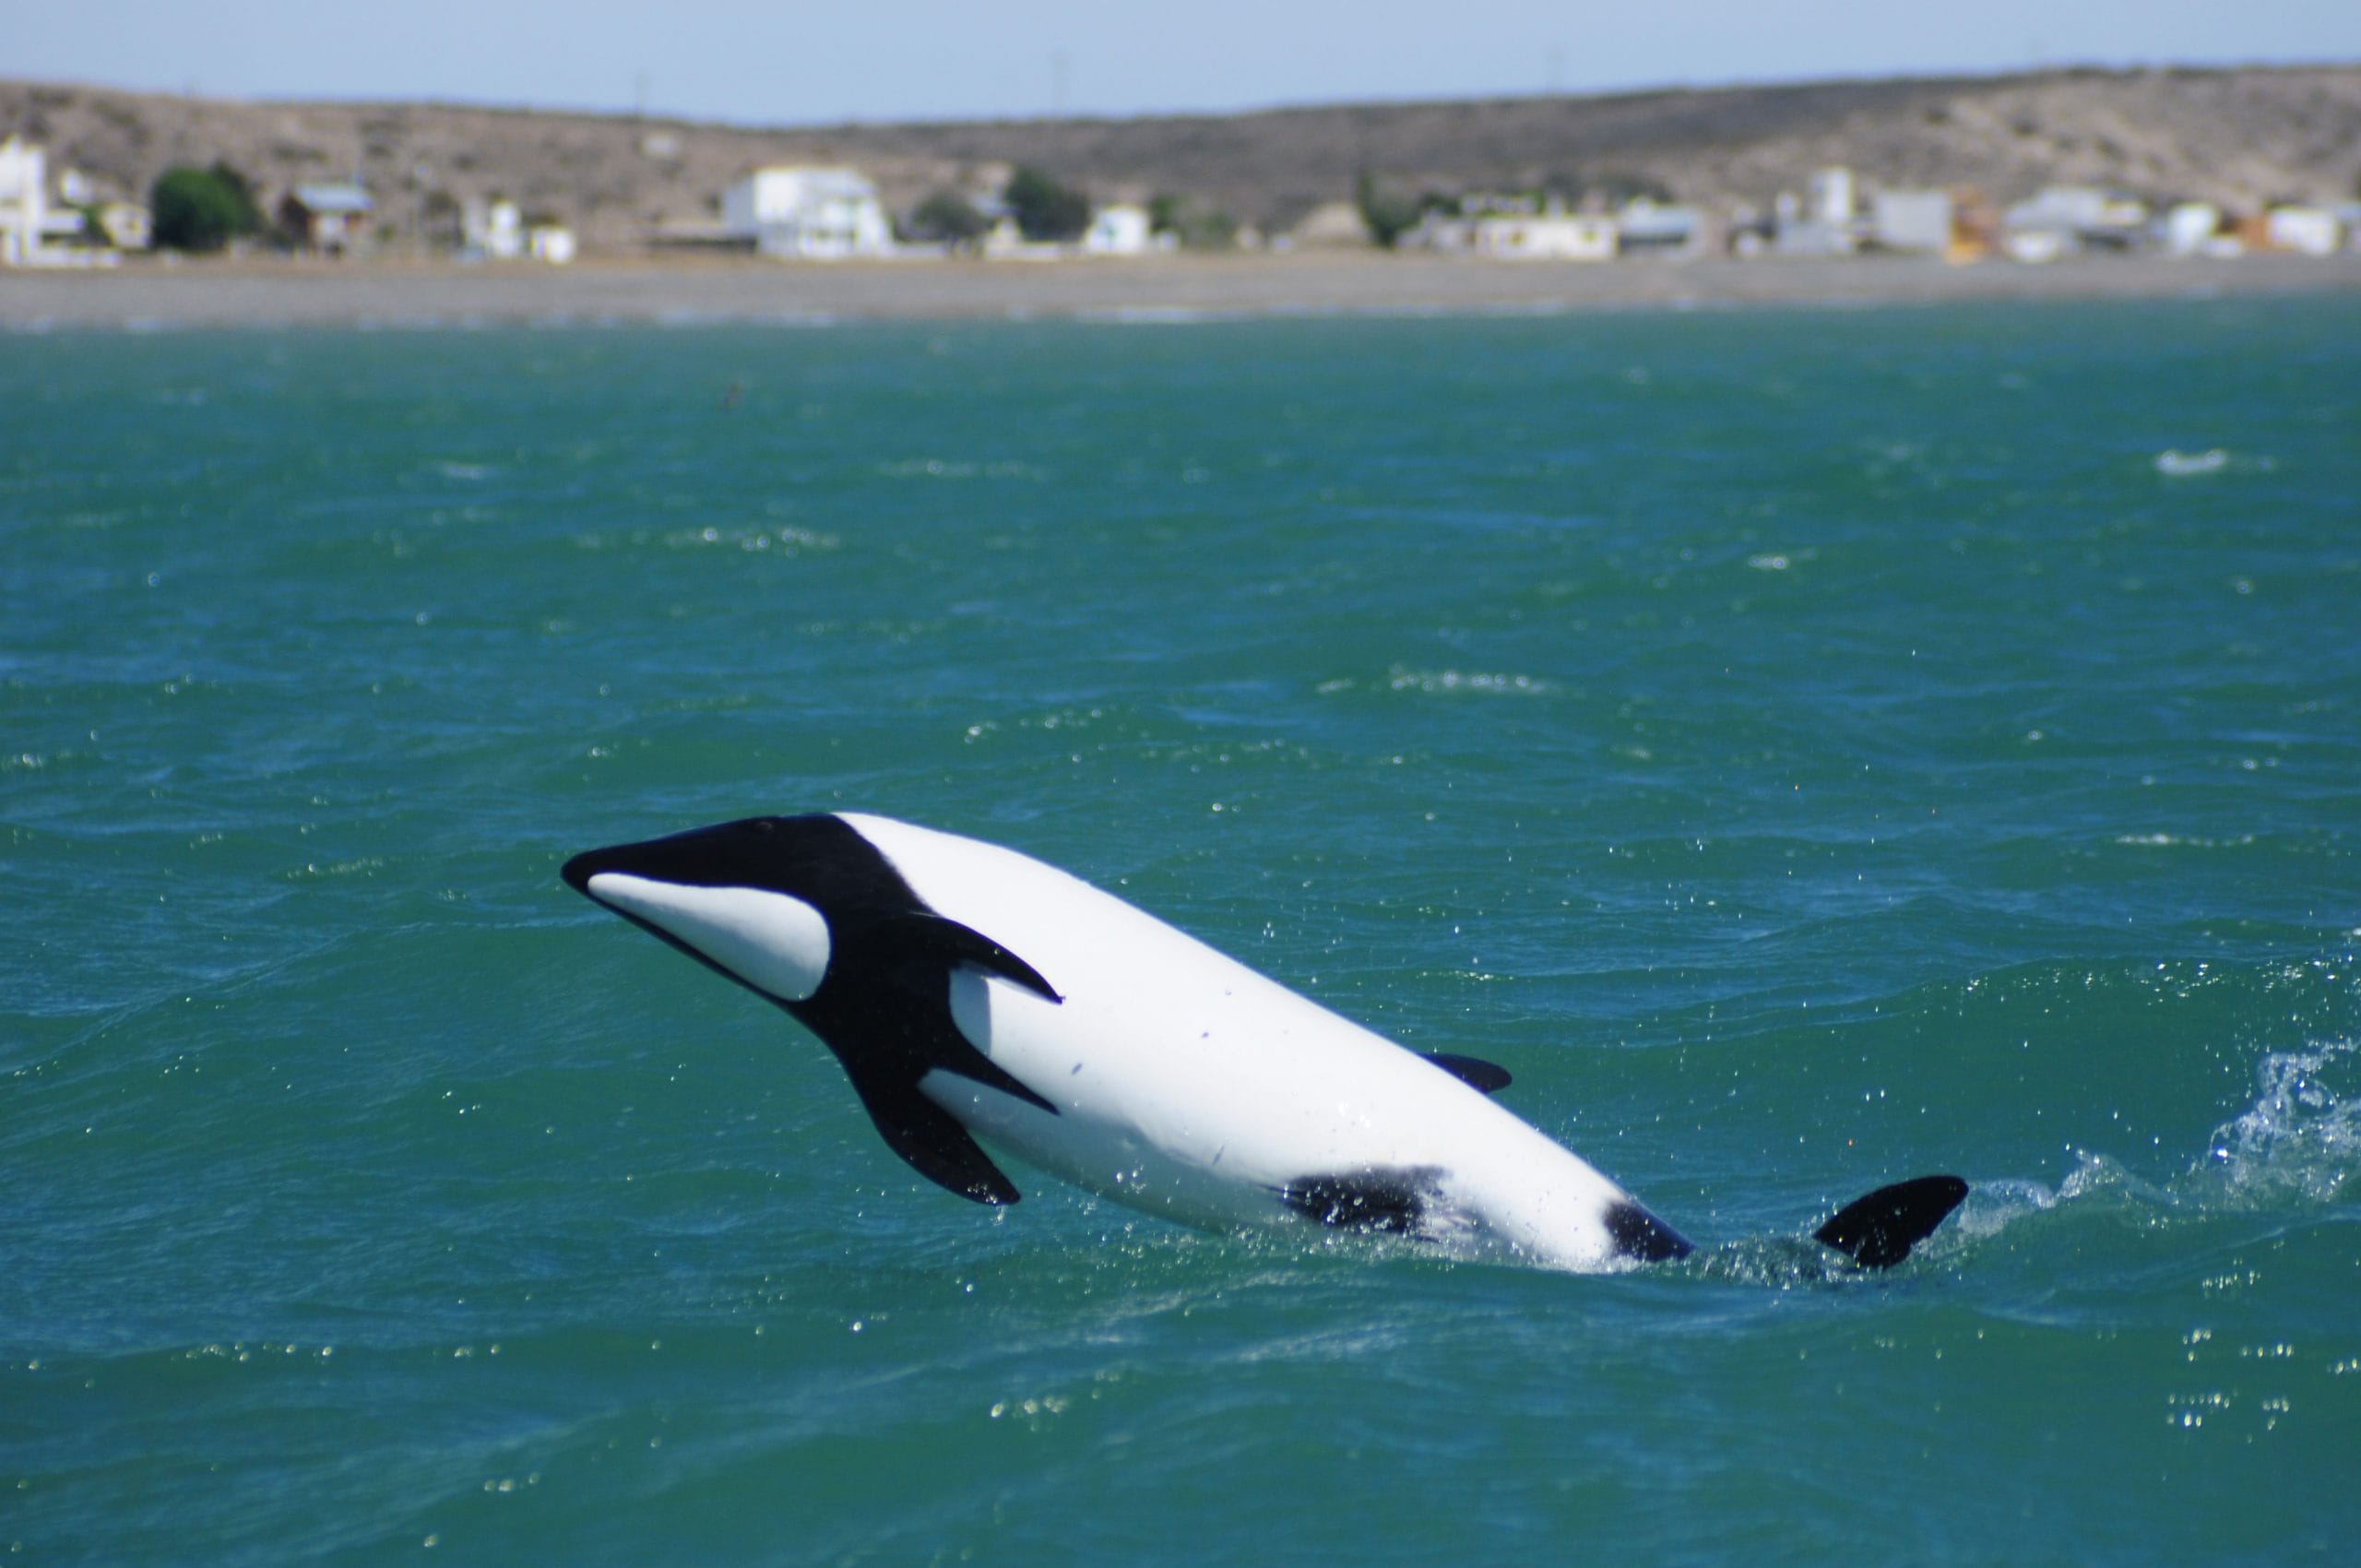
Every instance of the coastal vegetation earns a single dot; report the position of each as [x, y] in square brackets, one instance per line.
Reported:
[202, 209]
[1045, 210]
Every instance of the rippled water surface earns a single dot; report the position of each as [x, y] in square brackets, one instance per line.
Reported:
[1807, 748]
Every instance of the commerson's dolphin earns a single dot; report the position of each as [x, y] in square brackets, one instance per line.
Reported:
[978, 997]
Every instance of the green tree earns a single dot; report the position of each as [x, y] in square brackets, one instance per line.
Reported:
[1044, 208]
[196, 209]
[250, 215]
[946, 215]
[1388, 213]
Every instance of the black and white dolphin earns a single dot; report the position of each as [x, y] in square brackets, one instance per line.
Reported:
[973, 992]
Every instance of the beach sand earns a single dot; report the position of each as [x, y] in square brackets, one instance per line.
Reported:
[237, 293]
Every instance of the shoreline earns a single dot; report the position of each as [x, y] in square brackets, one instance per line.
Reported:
[249, 293]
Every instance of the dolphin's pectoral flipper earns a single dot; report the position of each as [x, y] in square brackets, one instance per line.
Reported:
[1472, 1071]
[914, 954]
[1877, 1230]
[1641, 1236]
[930, 1138]
[931, 941]
[1389, 1200]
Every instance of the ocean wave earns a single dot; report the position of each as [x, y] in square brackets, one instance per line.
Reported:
[2173, 463]
[1456, 680]
[784, 541]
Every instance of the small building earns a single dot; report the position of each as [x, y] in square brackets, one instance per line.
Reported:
[2307, 230]
[1514, 229]
[128, 225]
[2064, 219]
[1914, 222]
[1832, 197]
[1649, 228]
[808, 213]
[1121, 229]
[493, 230]
[499, 230]
[2188, 228]
[1555, 235]
[24, 202]
[1800, 227]
[331, 217]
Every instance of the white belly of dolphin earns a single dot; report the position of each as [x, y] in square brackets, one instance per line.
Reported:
[1187, 1084]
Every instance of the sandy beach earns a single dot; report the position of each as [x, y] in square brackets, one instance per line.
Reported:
[249, 293]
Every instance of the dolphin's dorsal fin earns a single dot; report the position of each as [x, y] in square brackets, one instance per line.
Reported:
[930, 938]
[1472, 1071]
[1877, 1230]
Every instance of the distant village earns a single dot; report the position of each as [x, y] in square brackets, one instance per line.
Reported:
[807, 213]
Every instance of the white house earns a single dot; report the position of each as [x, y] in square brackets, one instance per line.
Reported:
[1648, 227]
[809, 213]
[1119, 230]
[2308, 230]
[493, 229]
[1832, 196]
[2188, 227]
[1916, 221]
[24, 202]
[2060, 220]
[1515, 228]
[1555, 235]
[1796, 230]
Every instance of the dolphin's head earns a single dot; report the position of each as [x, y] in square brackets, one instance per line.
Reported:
[756, 899]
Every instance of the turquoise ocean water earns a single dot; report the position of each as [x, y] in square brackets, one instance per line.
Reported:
[1808, 748]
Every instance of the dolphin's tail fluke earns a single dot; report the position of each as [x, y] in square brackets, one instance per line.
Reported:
[1879, 1231]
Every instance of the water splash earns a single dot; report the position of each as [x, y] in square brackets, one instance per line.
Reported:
[2298, 1143]
[2300, 1138]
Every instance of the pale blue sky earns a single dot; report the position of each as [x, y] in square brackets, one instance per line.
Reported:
[799, 64]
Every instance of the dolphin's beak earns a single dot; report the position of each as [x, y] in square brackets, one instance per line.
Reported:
[768, 940]
[578, 870]
[701, 855]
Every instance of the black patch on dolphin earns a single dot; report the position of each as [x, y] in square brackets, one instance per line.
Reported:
[1472, 1071]
[1389, 1201]
[1877, 1230]
[884, 1007]
[1638, 1234]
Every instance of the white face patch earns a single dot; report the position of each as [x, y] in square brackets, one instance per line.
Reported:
[777, 943]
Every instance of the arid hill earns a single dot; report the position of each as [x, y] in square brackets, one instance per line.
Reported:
[2240, 136]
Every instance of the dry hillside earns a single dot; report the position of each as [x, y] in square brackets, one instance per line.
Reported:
[2241, 137]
